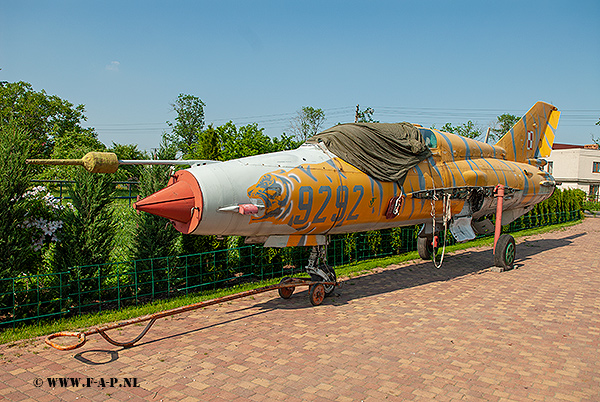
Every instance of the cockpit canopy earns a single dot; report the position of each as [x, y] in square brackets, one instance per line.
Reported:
[429, 137]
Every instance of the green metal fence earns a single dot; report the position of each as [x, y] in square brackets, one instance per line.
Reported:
[124, 190]
[115, 285]
[34, 297]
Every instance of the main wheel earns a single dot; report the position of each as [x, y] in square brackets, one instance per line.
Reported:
[425, 248]
[316, 294]
[285, 293]
[332, 278]
[505, 252]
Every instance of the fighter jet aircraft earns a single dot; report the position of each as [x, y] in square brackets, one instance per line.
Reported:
[351, 178]
[367, 176]
[359, 177]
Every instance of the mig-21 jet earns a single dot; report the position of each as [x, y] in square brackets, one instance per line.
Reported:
[367, 176]
[352, 178]
[358, 177]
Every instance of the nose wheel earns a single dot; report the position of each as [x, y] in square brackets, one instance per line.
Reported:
[319, 270]
[323, 279]
[327, 274]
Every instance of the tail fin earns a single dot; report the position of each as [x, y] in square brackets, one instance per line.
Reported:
[532, 137]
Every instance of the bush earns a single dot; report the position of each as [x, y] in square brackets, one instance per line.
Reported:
[18, 255]
[88, 231]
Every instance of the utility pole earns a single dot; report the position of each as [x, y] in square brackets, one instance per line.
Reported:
[356, 114]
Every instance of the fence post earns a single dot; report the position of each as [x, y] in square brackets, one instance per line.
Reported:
[99, 294]
[14, 302]
[152, 270]
[38, 298]
[119, 286]
[168, 277]
[135, 281]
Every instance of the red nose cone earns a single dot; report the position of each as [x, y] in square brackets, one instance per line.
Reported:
[180, 202]
[174, 202]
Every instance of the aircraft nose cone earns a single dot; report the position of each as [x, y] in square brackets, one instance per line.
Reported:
[180, 202]
[174, 202]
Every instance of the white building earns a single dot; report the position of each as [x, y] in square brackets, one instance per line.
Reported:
[576, 166]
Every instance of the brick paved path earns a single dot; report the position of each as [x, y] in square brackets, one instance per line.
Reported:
[407, 332]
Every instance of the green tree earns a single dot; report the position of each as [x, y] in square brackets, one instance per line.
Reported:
[71, 145]
[189, 123]
[89, 229]
[365, 116]
[467, 129]
[503, 125]
[154, 236]
[247, 140]
[46, 118]
[128, 152]
[308, 122]
[208, 146]
[284, 143]
[17, 254]
[224, 143]
[75, 144]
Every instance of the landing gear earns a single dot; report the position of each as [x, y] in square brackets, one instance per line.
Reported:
[322, 278]
[319, 270]
[504, 256]
[425, 247]
[504, 244]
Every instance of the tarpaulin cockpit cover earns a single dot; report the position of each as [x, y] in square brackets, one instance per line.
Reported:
[385, 151]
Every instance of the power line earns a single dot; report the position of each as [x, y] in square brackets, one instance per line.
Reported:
[569, 117]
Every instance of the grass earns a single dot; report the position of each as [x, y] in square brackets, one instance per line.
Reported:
[345, 271]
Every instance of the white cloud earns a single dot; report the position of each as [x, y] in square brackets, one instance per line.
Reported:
[113, 66]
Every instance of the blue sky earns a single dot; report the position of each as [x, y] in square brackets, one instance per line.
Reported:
[426, 62]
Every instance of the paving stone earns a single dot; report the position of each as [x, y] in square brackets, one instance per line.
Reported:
[403, 332]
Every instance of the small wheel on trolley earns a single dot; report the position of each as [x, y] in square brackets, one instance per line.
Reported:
[316, 294]
[285, 293]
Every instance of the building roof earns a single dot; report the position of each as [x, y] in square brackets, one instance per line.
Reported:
[572, 146]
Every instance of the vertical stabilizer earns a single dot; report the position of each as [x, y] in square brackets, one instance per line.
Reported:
[532, 137]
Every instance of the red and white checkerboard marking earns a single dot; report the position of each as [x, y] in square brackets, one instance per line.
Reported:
[529, 139]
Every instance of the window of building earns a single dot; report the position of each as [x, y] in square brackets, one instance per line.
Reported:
[596, 167]
[594, 192]
[550, 167]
